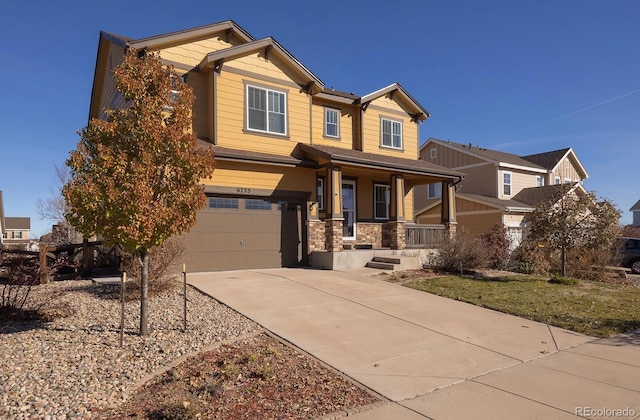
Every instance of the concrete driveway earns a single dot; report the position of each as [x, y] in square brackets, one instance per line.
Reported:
[434, 357]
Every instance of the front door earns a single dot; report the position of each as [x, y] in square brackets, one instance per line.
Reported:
[349, 209]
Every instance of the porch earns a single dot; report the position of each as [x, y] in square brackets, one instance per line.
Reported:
[413, 245]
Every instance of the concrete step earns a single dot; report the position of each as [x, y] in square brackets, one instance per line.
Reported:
[390, 260]
[380, 265]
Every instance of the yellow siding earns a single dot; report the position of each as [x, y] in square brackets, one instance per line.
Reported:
[520, 180]
[239, 175]
[230, 117]
[372, 131]
[408, 205]
[566, 170]
[347, 121]
[256, 63]
[477, 224]
[202, 105]
[191, 54]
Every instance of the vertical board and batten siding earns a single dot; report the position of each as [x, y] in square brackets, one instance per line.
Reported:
[346, 125]
[387, 108]
[449, 158]
[202, 104]
[566, 169]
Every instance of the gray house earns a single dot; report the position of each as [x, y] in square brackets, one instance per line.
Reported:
[635, 209]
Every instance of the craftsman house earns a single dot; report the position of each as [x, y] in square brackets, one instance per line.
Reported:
[498, 187]
[305, 174]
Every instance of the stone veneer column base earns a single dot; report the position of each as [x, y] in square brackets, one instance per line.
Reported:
[333, 229]
[317, 236]
[396, 234]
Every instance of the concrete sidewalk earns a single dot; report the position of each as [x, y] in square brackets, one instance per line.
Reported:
[435, 357]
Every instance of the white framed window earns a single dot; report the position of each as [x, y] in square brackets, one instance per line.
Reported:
[434, 190]
[331, 122]
[506, 183]
[567, 180]
[16, 235]
[381, 201]
[391, 133]
[320, 193]
[433, 153]
[266, 110]
[539, 181]
[557, 180]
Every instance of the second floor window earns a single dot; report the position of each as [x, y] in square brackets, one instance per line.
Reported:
[266, 110]
[382, 198]
[331, 123]
[506, 183]
[539, 181]
[391, 133]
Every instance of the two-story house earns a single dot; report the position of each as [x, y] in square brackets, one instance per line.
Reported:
[498, 187]
[17, 230]
[303, 172]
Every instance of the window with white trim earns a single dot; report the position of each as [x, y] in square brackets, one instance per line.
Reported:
[16, 235]
[506, 183]
[539, 181]
[567, 180]
[266, 110]
[557, 180]
[381, 201]
[391, 133]
[434, 190]
[433, 153]
[331, 123]
[320, 193]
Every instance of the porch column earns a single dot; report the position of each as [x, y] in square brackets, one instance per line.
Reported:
[335, 217]
[397, 215]
[448, 207]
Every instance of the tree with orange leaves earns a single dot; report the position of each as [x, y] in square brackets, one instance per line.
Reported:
[135, 175]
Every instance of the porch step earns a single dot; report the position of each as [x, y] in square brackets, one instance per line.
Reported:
[390, 260]
[380, 265]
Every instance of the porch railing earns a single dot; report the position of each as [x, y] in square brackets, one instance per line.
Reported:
[423, 236]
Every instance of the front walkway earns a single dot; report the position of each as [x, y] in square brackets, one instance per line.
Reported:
[431, 356]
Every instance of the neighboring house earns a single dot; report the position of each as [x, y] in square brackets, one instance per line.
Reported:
[17, 230]
[303, 171]
[635, 210]
[498, 187]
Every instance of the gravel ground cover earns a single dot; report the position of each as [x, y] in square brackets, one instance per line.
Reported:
[74, 365]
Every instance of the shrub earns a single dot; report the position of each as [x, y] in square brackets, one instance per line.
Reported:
[590, 264]
[497, 246]
[529, 258]
[20, 272]
[460, 252]
[164, 265]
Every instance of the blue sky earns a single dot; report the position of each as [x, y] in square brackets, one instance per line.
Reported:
[521, 77]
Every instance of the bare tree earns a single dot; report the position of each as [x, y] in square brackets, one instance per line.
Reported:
[54, 207]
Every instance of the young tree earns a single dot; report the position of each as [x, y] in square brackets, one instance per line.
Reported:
[135, 175]
[573, 219]
[54, 207]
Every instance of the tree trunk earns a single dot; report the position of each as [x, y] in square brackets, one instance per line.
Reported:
[563, 253]
[144, 292]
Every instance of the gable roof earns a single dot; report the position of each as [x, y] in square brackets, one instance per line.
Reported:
[635, 207]
[18, 223]
[419, 113]
[269, 45]
[534, 196]
[229, 27]
[551, 160]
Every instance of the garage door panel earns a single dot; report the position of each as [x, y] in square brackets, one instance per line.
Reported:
[241, 238]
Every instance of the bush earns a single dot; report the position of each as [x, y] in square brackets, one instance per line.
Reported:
[165, 264]
[529, 258]
[19, 273]
[497, 246]
[461, 252]
[590, 264]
